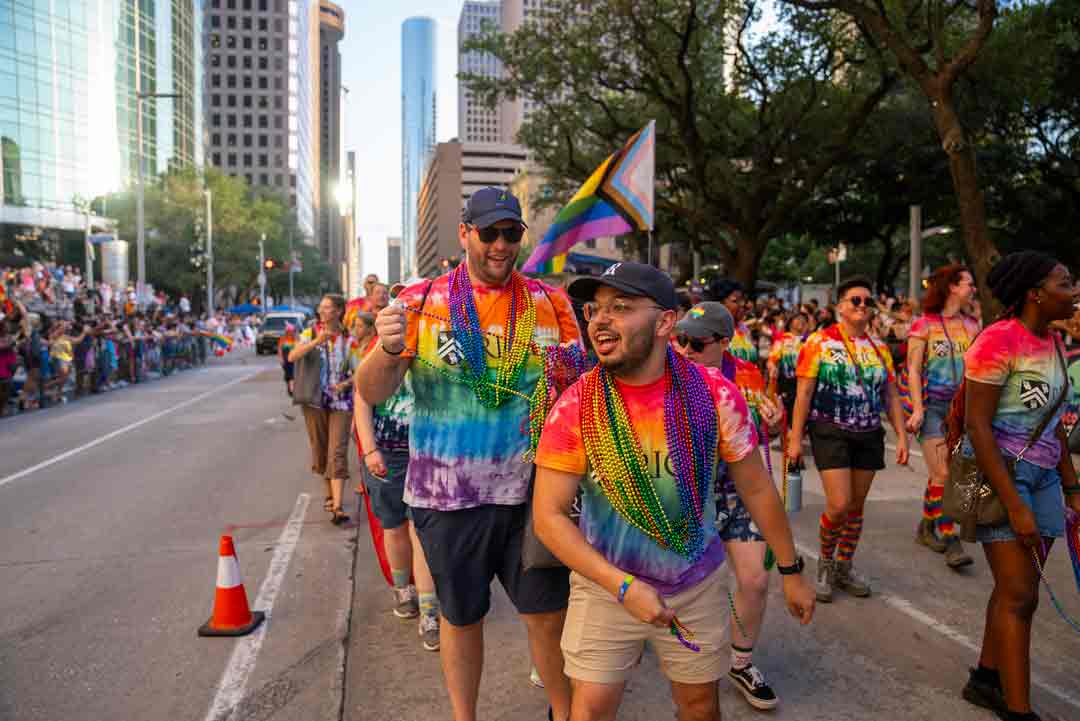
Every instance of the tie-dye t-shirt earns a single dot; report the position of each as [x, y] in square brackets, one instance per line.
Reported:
[1007, 354]
[462, 454]
[751, 383]
[742, 344]
[944, 370]
[630, 550]
[391, 418]
[785, 355]
[840, 397]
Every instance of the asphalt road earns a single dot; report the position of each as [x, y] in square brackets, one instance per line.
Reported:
[110, 513]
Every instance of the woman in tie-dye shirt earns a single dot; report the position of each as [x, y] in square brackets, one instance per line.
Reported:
[1013, 377]
[935, 365]
[846, 382]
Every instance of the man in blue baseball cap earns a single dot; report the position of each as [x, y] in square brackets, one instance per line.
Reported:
[466, 484]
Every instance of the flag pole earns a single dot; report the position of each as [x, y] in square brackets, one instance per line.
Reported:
[650, 246]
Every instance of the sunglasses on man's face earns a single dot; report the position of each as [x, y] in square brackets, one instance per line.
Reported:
[858, 300]
[697, 345]
[490, 234]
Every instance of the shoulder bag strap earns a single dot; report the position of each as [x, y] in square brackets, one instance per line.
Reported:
[1041, 428]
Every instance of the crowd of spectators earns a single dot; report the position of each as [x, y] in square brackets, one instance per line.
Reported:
[61, 340]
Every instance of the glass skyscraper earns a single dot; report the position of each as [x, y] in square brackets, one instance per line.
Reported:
[68, 76]
[418, 97]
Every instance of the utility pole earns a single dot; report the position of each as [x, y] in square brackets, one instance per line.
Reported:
[262, 273]
[209, 252]
[140, 209]
[915, 259]
[292, 269]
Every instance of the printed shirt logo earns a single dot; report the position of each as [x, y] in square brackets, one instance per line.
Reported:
[941, 348]
[449, 350]
[1034, 394]
[612, 269]
[836, 356]
[696, 312]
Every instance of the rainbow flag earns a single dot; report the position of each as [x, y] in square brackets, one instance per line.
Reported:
[222, 341]
[616, 199]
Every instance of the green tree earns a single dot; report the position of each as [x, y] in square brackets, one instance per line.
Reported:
[748, 123]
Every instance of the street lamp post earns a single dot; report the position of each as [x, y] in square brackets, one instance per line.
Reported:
[209, 252]
[140, 210]
[918, 235]
[262, 273]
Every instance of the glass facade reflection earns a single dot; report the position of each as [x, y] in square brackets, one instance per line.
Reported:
[68, 74]
[418, 97]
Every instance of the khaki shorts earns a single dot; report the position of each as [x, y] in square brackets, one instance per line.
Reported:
[602, 642]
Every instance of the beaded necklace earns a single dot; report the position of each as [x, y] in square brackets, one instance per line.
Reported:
[519, 325]
[615, 453]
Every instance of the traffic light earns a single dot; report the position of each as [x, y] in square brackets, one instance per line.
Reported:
[269, 264]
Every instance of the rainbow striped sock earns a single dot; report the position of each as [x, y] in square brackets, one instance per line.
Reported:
[946, 527]
[932, 502]
[849, 539]
[829, 533]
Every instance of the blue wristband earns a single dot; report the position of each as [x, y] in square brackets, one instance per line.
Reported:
[625, 587]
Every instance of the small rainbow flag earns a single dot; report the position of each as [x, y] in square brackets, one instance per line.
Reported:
[616, 199]
[222, 341]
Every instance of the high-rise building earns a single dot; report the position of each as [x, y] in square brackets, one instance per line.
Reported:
[477, 123]
[261, 97]
[393, 260]
[69, 77]
[352, 262]
[513, 14]
[418, 97]
[331, 31]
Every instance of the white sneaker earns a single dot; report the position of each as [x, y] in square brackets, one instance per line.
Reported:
[429, 632]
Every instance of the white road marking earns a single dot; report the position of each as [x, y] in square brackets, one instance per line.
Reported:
[908, 609]
[242, 662]
[119, 431]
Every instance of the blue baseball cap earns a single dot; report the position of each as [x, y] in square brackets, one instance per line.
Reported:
[488, 206]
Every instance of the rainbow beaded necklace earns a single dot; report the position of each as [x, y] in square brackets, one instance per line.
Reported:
[519, 325]
[615, 453]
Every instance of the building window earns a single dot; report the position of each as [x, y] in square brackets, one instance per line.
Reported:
[231, 139]
[264, 141]
[247, 43]
[247, 101]
[264, 83]
[230, 23]
[279, 26]
[247, 140]
[231, 81]
[247, 159]
[216, 159]
[264, 160]
[263, 5]
[215, 100]
[232, 160]
[215, 21]
[279, 162]
[215, 80]
[246, 23]
[230, 4]
[263, 44]
[279, 141]
[230, 41]
[264, 179]
[230, 60]
[247, 82]
[215, 138]
[279, 122]
[247, 5]
[232, 121]
[247, 62]
[231, 101]
[247, 121]
[247, 177]
[264, 122]
[215, 40]
[215, 60]
[264, 63]
[279, 180]
[215, 119]
[264, 25]
[278, 84]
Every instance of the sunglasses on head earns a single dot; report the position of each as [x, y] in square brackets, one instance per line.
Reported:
[697, 345]
[490, 234]
[860, 299]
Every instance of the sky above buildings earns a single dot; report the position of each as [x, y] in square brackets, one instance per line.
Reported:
[371, 70]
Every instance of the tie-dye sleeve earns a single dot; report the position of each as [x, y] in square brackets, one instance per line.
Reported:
[736, 437]
[564, 314]
[920, 329]
[561, 446]
[989, 359]
[809, 362]
[413, 297]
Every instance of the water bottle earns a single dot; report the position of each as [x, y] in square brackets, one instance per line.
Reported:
[793, 501]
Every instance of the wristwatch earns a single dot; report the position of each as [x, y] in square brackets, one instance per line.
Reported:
[794, 569]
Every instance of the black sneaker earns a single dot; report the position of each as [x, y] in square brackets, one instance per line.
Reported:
[754, 687]
[984, 694]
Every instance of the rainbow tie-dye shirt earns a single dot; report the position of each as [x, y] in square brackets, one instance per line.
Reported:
[742, 344]
[630, 550]
[942, 367]
[849, 397]
[785, 354]
[462, 454]
[1031, 377]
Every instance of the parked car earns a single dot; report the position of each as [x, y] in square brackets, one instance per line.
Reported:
[273, 327]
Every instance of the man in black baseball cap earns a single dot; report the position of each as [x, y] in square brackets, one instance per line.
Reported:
[630, 310]
[490, 234]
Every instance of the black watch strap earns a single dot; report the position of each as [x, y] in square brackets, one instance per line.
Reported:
[794, 569]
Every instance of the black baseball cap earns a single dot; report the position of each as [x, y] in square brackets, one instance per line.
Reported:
[488, 206]
[632, 279]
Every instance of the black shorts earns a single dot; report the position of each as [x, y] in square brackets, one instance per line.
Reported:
[787, 388]
[835, 447]
[466, 549]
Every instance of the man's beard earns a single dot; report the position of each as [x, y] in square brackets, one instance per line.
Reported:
[639, 347]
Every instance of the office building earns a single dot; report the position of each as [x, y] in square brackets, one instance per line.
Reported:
[331, 109]
[352, 263]
[261, 97]
[512, 15]
[69, 73]
[393, 260]
[477, 123]
[456, 171]
[418, 98]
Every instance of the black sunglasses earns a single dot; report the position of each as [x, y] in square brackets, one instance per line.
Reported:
[696, 344]
[860, 299]
[490, 234]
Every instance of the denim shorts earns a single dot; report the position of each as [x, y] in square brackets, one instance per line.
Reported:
[732, 517]
[1040, 489]
[387, 494]
[935, 412]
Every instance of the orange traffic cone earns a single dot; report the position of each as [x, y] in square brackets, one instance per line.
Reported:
[232, 616]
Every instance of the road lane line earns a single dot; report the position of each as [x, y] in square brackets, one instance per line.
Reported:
[908, 609]
[130, 427]
[230, 691]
